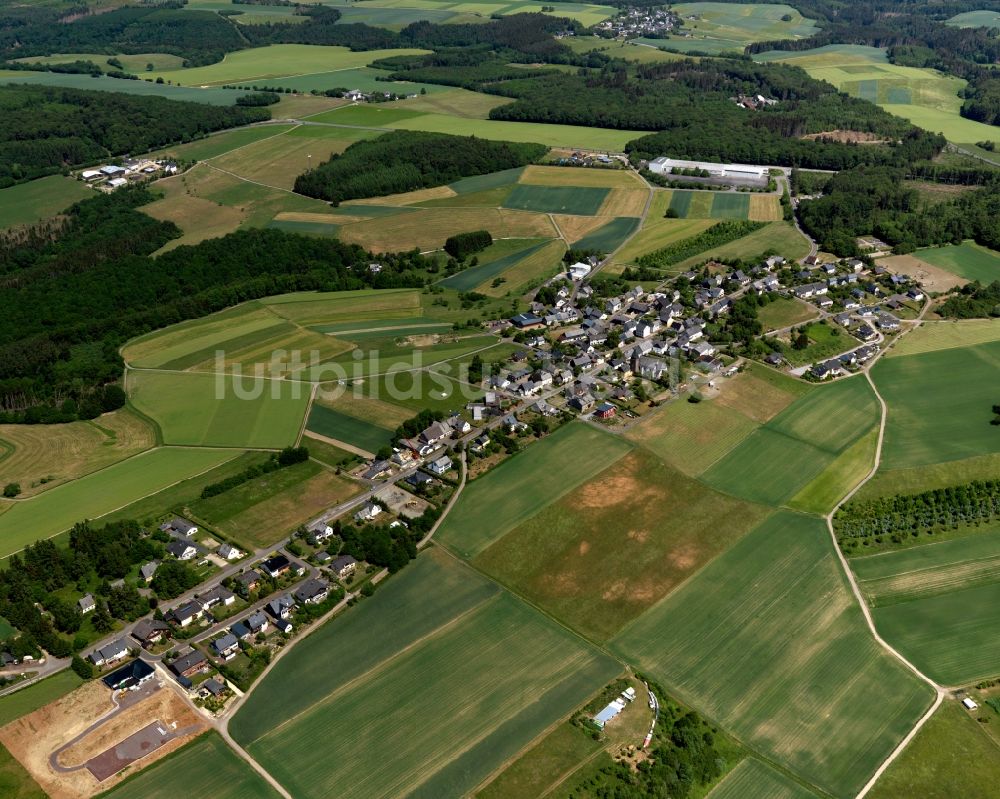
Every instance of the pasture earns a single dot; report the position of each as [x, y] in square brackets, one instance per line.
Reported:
[753, 779]
[524, 484]
[951, 756]
[15, 781]
[39, 457]
[220, 410]
[844, 473]
[218, 144]
[785, 312]
[205, 766]
[637, 530]
[465, 677]
[967, 260]
[27, 203]
[101, 492]
[929, 421]
[276, 61]
[767, 640]
[310, 308]
[975, 19]
[782, 457]
[268, 508]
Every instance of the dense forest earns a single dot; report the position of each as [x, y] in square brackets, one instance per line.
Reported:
[403, 161]
[46, 129]
[73, 293]
[689, 103]
[972, 301]
[874, 200]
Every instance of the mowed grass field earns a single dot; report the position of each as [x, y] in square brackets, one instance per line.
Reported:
[767, 640]
[220, 410]
[101, 492]
[951, 756]
[939, 405]
[276, 61]
[28, 700]
[967, 260]
[752, 779]
[780, 458]
[615, 545]
[522, 485]
[463, 677]
[946, 335]
[39, 457]
[206, 765]
[936, 604]
[269, 508]
[732, 26]
[15, 781]
[27, 203]
[975, 19]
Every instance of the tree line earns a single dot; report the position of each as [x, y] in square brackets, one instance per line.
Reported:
[404, 161]
[715, 236]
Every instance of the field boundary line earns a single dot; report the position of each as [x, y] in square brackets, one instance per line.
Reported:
[305, 415]
[295, 124]
[385, 663]
[254, 182]
[337, 443]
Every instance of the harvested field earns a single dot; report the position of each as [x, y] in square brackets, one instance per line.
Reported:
[574, 228]
[761, 393]
[624, 202]
[933, 278]
[577, 176]
[764, 208]
[524, 484]
[691, 437]
[617, 544]
[39, 457]
[34, 737]
[445, 627]
[767, 640]
[411, 197]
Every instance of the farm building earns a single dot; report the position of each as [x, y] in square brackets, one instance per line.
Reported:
[968, 704]
[609, 712]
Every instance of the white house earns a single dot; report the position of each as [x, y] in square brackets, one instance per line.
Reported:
[440, 466]
[368, 512]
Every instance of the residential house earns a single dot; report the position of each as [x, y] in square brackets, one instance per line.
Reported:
[377, 469]
[226, 647]
[418, 479]
[217, 596]
[194, 662]
[319, 533]
[149, 632]
[887, 322]
[184, 614]
[148, 570]
[368, 512]
[248, 581]
[86, 604]
[827, 369]
[281, 608]
[257, 622]
[605, 410]
[179, 527]
[582, 403]
[130, 676]
[458, 424]
[440, 466]
[182, 549]
[214, 687]
[240, 630]
[229, 552]
[275, 566]
[312, 591]
[344, 566]
[866, 333]
[110, 653]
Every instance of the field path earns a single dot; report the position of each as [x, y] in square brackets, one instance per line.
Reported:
[939, 691]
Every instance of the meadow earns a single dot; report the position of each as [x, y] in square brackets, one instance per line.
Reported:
[785, 312]
[835, 482]
[218, 144]
[364, 434]
[657, 232]
[753, 779]
[767, 640]
[100, 493]
[40, 457]
[967, 260]
[209, 96]
[950, 756]
[638, 530]
[269, 508]
[610, 236]
[219, 410]
[205, 766]
[929, 421]
[544, 256]
[15, 781]
[27, 203]
[28, 700]
[782, 457]
[276, 61]
[932, 336]
[465, 676]
[975, 19]
[926, 97]
[524, 484]
[779, 237]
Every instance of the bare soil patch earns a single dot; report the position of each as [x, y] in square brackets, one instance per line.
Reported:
[932, 278]
[846, 137]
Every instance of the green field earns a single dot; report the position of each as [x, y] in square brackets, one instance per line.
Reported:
[785, 312]
[28, 700]
[975, 19]
[101, 492]
[779, 459]
[767, 640]
[929, 420]
[27, 203]
[276, 61]
[752, 779]
[926, 97]
[222, 143]
[849, 468]
[206, 766]
[723, 27]
[490, 268]
[945, 335]
[951, 756]
[779, 237]
[462, 678]
[349, 429]
[967, 260]
[583, 200]
[15, 781]
[208, 96]
[609, 237]
[434, 389]
[218, 410]
[612, 532]
[522, 485]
